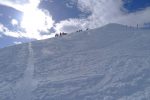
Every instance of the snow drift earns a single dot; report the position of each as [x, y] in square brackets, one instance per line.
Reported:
[107, 63]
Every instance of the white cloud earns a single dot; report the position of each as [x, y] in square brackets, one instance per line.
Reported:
[14, 22]
[2, 28]
[16, 1]
[34, 20]
[70, 25]
[104, 12]
[5, 31]
[133, 19]
[12, 4]
[70, 3]
[16, 42]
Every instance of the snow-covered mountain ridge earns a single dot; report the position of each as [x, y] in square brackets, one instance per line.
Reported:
[107, 63]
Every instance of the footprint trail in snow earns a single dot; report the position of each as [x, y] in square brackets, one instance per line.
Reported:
[27, 84]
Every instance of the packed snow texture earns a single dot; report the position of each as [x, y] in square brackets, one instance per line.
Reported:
[107, 63]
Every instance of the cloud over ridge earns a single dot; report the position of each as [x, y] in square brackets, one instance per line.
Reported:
[101, 12]
[104, 12]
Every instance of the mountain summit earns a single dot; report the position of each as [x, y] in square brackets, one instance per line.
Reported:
[107, 63]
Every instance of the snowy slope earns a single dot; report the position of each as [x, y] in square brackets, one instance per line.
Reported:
[107, 63]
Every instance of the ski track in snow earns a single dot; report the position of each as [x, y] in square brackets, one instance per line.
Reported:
[26, 85]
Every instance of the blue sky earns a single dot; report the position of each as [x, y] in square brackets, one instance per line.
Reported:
[40, 19]
[136, 5]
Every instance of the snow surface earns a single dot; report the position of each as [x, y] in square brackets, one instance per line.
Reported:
[107, 63]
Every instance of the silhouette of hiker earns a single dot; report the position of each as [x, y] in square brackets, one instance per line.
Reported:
[56, 35]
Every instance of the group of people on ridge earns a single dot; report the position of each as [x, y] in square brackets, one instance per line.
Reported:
[63, 33]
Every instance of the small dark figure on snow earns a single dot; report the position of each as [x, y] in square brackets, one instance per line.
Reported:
[80, 30]
[56, 35]
[137, 26]
[64, 33]
[60, 34]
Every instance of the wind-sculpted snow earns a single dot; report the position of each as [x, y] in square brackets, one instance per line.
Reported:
[12, 65]
[108, 63]
[121, 77]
